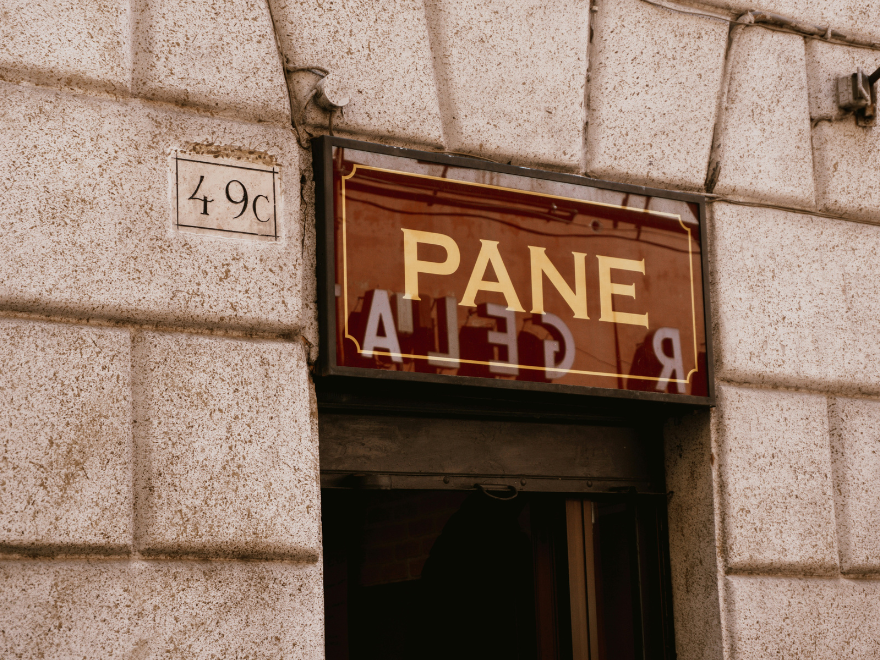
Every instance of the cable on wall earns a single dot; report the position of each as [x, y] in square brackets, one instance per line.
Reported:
[779, 23]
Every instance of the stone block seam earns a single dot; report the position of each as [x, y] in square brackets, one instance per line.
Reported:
[76, 539]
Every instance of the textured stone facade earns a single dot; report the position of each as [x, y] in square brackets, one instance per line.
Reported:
[145, 502]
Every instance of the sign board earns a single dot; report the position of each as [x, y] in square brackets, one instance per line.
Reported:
[225, 197]
[446, 269]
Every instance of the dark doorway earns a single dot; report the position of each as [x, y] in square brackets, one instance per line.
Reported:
[492, 574]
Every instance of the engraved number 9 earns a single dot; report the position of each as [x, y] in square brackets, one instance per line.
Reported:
[243, 200]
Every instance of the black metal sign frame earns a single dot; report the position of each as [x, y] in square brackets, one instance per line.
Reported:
[324, 216]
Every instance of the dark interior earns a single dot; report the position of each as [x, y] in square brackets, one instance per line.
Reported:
[471, 574]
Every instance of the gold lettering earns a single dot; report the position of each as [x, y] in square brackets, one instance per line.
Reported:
[412, 266]
[541, 265]
[607, 289]
[489, 254]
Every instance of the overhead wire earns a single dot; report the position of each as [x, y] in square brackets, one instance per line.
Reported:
[826, 34]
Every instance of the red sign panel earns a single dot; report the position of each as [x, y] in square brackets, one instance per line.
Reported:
[440, 268]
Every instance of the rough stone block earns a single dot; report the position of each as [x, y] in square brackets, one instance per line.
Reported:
[777, 506]
[692, 543]
[67, 609]
[221, 56]
[80, 44]
[65, 439]
[764, 150]
[156, 609]
[808, 315]
[804, 618]
[380, 51]
[656, 77]
[512, 78]
[226, 461]
[855, 439]
[847, 158]
[88, 225]
[846, 155]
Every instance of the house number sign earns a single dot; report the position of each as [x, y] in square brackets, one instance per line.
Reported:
[446, 269]
[225, 197]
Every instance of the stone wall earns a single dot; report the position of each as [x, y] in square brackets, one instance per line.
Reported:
[785, 463]
[158, 443]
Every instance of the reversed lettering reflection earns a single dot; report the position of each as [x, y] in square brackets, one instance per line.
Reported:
[443, 276]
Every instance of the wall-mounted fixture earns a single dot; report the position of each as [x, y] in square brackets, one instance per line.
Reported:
[328, 93]
[856, 93]
[331, 93]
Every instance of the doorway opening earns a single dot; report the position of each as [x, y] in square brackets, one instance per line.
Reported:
[495, 573]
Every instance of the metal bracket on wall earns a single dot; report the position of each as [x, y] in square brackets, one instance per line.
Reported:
[856, 93]
[328, 93]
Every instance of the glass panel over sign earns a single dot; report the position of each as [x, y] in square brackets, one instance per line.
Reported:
[453, 271]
